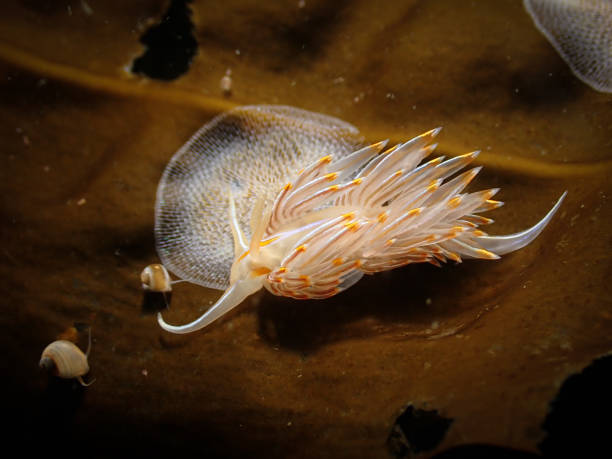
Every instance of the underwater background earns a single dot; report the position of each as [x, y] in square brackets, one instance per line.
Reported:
[506, 357]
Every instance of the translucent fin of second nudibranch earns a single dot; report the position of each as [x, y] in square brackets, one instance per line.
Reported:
[501, 245]
[232, 297]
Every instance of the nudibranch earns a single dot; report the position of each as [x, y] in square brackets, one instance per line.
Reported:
[290, 200]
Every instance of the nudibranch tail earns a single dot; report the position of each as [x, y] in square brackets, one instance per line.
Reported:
[502, 245]
[231, 298]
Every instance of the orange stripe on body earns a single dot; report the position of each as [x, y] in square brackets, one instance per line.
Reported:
[338, 262]
[268, 241]
[453, 203]
[260, 271]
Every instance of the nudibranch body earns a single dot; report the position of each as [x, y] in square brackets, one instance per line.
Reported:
[351, 211]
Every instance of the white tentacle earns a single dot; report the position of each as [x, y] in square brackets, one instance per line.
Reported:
[232, 297]
[501, 245]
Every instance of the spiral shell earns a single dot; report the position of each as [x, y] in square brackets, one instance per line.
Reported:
[65, 360]
[155, 278]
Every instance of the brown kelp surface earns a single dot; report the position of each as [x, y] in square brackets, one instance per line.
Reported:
[486, 344]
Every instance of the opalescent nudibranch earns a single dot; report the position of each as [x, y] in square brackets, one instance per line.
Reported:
[290, 200]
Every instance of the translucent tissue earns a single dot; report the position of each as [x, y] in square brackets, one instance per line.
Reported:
[581, 32]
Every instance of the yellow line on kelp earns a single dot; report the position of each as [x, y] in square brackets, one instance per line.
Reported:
[136, 88]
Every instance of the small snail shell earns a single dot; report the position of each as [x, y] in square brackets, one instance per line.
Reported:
[65, 360]
[155, 278]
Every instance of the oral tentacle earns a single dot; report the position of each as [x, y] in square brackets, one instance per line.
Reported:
[231, 298]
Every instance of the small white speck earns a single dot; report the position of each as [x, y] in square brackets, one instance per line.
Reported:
[414, 107]
[526, 284]
[293, 82]
[46, 168]
[428, 301]
[145, 372]
[390, 96]
[26, 140]
[289, 424]
[516, 90]
[226, 83]
[81, 202]
[301, 4]
[237, 52]
[338, 80]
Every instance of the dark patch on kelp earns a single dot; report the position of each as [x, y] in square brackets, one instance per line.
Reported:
[170, 45]
[578, 422]
[417, 430]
